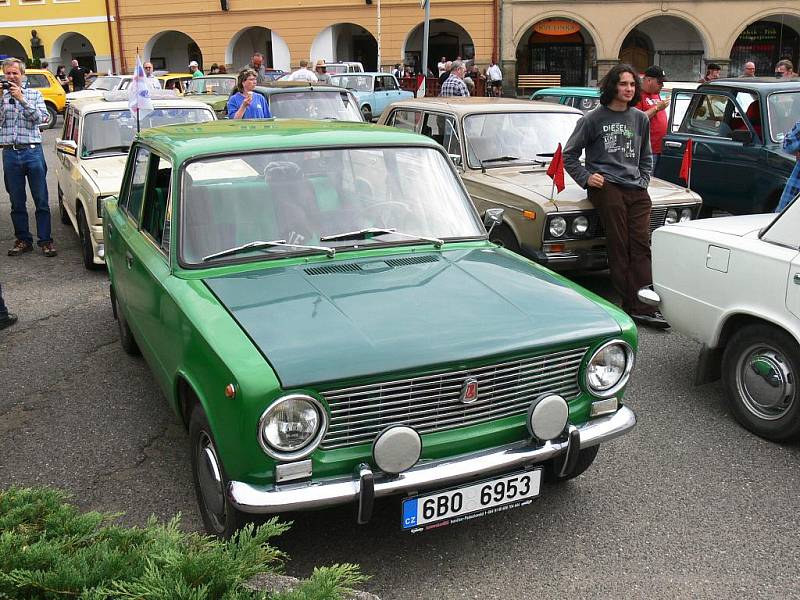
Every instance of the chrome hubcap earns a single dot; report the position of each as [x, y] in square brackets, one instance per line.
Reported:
[766, 382]
[209, 475]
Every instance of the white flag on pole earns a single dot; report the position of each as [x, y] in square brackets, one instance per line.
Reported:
[139, 100]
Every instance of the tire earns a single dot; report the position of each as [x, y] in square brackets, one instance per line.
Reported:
[366, 112]
[87, 252]
[760, 370]
[62, 212]
[585, 459]
[52, 115]
[125, 334]
[503, 236]
[220, 518]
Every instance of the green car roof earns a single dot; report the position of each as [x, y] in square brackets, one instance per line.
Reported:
[581, 92]
[180, 142]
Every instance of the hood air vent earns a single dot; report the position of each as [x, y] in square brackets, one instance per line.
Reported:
[411, 260]
[327, 270]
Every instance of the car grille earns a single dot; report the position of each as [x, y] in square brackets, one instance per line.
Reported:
[657, 218]
[432, 403]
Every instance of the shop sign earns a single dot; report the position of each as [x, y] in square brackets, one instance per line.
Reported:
[557, 27]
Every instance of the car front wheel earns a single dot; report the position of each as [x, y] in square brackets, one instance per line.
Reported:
[87, 251]
[52, 115]
[62, 212]
[503, 236]
[760, 370]
[220, 518]
[125, 334]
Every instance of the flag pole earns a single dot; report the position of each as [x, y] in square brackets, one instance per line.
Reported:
[552, 190]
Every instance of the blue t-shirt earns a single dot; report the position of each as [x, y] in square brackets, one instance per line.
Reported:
[258, 109]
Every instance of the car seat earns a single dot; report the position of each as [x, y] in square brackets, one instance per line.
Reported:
[295, 202]
[753, 114]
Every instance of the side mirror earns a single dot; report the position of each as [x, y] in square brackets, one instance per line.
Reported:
[492, 218]
[67, 147]
[456, 160]
[742, 135]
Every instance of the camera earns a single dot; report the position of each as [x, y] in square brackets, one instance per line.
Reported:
[5, 85]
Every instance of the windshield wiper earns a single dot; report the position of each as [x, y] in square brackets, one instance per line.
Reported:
[260, 245]
[499, 159]
[368, 232]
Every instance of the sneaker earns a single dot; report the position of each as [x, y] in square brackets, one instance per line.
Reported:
[49, 250]
[20, 247]
[655, 320]
[8, 320]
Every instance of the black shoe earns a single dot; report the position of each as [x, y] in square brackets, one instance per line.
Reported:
[655, 320]
[8, 320]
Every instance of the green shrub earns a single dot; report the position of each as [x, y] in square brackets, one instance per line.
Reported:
[50, 550]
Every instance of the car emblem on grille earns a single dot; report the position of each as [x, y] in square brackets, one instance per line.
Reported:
[469, 391]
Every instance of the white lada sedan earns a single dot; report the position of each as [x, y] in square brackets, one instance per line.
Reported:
[91, 156]
[733, 283]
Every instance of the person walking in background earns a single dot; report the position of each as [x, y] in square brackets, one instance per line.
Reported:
[784, 69]
[7, 319]
[194, 69]
[246, 103]
[321, 71]
[257, 64]
[454, 85]
[494, 77]
[749, 69]
[23, 110]
[791, 144]
[77, 76]
[651, 104]
[616, 139]
[712, 72]
[61, 75]
[303, 73]
[442, 66]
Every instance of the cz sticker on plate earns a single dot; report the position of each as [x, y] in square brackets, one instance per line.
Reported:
[470, 501]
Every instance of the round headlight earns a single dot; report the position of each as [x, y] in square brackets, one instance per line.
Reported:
[558, 226]
[292, 427]
[672, 216]
[580, 225]
[609, 368]
[686, 214]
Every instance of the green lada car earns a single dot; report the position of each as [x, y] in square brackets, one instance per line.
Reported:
[332, 330]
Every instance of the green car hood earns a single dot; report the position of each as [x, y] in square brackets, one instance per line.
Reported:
[357, 318]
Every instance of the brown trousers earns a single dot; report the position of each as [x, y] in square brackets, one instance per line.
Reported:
[625, 214]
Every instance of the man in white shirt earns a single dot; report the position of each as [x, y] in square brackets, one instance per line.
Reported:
[303, 73]
[152, 82]
[442, 66]
[495, 77]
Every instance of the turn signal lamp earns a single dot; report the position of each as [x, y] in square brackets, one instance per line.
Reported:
[529, 214]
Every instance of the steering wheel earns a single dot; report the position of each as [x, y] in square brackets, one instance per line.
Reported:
[393, 210]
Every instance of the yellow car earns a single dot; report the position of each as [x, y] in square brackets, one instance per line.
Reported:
[175, 81]
[54, 96]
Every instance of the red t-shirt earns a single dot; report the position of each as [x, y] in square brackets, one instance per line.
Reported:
[658, 124]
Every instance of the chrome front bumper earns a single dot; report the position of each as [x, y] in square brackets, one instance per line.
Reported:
[364, 486]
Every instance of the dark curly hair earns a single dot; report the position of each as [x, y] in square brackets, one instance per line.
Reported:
[608, 84]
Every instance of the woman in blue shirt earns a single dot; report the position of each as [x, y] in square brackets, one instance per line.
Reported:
[245, 103]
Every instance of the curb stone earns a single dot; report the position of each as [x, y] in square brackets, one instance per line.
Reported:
[270, 582]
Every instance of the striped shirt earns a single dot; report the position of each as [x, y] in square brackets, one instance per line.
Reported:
[454, 86]
[791, 145]
[19, 123]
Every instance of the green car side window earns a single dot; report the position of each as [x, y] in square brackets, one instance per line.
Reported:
[156, 202]
[138, 179]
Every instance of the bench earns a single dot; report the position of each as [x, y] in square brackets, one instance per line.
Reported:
[538, 81]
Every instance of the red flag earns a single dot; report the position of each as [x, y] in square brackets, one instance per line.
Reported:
[556, 170]
[686, 163]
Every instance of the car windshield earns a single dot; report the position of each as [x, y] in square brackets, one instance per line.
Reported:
[519, 137]
[335, 68]
[111, 132]
[308, 104]
[303, 196]
[784, 112]
[359, 83]
[222, 86]
[105, 83]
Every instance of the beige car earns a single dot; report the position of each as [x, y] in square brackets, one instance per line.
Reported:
[502, 148]
[92, 153]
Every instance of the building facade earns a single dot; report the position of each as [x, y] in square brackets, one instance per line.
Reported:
[582, 40]
[65, 30]
[229, 31]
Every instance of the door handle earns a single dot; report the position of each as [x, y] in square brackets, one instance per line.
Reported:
[796, 279]
[673, 144]
[129, 259]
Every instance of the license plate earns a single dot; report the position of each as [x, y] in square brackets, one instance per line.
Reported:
[471, 501]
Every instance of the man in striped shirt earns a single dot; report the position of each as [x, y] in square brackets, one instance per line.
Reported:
[454, 85]
[21, 113]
